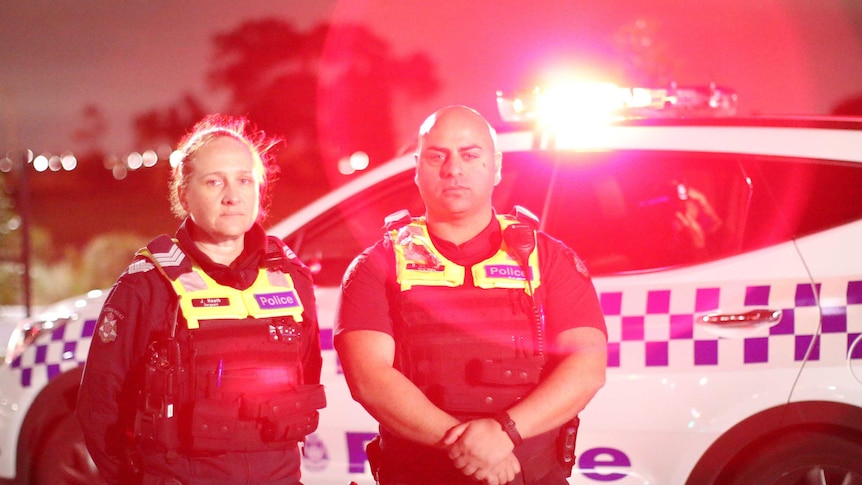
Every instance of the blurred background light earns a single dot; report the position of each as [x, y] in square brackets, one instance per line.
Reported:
[54, 163]
[359, 160]
[134, 161]
[40, 163]
[119, 171]
[344, 167]
[149, 158]
[69, 162]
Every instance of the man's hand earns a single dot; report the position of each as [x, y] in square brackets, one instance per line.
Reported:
[483, 451]
[501, 474]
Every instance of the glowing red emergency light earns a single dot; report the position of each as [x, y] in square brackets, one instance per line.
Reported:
[591, 103]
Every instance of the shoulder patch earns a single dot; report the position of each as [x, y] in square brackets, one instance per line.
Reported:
[278, 255]
[347, 278]
[579, 264]
[171, 257]
[107, 329]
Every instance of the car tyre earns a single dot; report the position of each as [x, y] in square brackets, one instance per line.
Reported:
[63, 459]
[801, 458]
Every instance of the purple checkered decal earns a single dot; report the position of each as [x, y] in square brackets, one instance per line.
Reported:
[656, 328]
[65, 349]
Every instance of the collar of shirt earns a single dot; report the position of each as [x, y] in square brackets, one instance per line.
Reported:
[480, 248]
[242, 272]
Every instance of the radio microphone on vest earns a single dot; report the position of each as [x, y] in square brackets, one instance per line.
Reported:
[520, 240]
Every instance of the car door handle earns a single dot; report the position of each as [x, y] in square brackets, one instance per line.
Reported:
[761, 317]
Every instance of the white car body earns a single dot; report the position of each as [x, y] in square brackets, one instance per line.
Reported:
[683, 397]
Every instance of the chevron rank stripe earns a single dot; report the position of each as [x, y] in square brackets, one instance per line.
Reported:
[174, 257]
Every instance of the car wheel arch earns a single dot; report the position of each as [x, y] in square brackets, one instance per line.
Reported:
[55, 401]
[771, 424]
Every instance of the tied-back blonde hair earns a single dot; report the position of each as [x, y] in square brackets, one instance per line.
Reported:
[216, 126]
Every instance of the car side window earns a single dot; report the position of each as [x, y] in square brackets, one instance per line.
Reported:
[331, 241]
[628, 211]
[799, 197]
[636, 211]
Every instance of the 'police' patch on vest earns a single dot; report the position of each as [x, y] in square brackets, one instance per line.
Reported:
[285, 299]
[210, 302]
[506, 271]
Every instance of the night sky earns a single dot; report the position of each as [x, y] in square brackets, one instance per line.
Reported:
[782, 56]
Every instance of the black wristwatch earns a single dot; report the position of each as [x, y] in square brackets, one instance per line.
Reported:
[509, 427]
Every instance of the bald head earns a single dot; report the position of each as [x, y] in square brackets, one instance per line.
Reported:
[460, 115]
[457, 167]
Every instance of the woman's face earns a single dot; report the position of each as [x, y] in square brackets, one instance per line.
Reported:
[222, 195]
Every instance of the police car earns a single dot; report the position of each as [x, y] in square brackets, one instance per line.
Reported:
[725, 251]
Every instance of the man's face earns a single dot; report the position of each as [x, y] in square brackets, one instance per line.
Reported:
[223, 191]
[456, 166]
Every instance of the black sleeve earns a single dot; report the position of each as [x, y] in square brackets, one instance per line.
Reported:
[363, 303]
[312, 361]
[108, 396]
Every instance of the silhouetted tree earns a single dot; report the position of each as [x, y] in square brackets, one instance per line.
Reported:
[93, 128]
[271, 72]
[165, 126]
[360, 80]
[327, 92]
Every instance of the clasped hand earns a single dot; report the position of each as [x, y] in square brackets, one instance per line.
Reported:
[483, 451]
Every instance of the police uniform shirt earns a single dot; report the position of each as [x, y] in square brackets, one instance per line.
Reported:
[570, 300]
[140, 309]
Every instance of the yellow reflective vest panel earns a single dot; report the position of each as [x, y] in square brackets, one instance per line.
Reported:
[202, 298]
[419, 263]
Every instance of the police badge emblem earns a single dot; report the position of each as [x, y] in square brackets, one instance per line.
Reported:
[108, 326]
[579, 263]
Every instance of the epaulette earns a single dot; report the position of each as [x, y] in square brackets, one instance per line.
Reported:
[273, 256]
[277, 254]
[167, 255]
[522, 214]
[396, 220]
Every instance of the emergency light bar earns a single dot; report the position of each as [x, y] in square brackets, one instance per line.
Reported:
[598, 102]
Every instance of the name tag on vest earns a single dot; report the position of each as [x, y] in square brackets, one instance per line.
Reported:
[210, 302]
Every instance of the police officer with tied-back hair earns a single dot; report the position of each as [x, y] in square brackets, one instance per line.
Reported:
[205, 364]
[472, 337]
